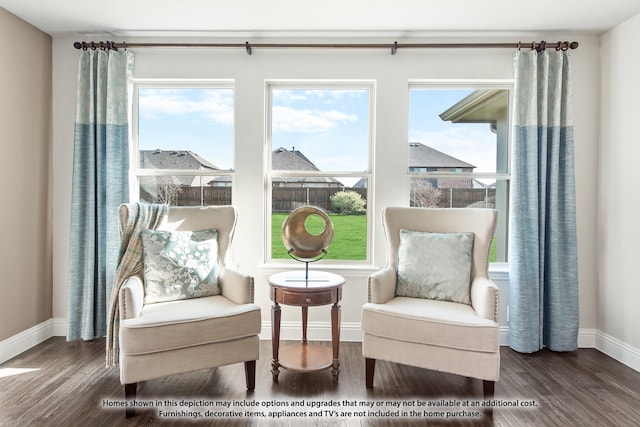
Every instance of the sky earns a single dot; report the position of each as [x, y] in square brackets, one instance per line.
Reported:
[329, 126]
[473, 143]
[195, 119]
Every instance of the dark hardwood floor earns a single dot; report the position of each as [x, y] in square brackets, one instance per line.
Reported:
[66, 384]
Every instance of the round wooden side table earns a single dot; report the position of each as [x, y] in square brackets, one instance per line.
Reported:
[298, 288]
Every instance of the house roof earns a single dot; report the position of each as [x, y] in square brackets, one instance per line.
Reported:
[283, 159]
[480, 106]
[361, 183]
[423, 156]
[174, 159]
[294, 160]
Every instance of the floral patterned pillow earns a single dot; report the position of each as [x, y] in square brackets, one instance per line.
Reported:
[180, 264]
[435, 266]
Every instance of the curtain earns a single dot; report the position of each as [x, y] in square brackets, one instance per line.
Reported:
[100, 185]
[543, 291]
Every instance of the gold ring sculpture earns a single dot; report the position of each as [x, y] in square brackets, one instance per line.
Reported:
[301, 244]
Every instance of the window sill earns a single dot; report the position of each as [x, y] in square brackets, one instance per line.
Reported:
[497, 270]
[350, 270]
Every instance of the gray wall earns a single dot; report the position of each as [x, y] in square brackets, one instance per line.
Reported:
[25, 176]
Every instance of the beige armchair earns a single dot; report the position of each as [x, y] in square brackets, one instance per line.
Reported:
[164, 338]
[454, 337]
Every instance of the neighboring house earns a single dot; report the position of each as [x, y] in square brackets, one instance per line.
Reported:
[293, 160]
[183, 160]
[362, 183]
[423, 158]
[178, 160]
[282, 159]
[171, 188]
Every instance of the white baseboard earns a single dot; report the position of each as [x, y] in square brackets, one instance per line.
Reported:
[316, 331]
[321, 331]
[503, 336]
[13, 346]
[586, 337]
[618, 350]
[59, 327]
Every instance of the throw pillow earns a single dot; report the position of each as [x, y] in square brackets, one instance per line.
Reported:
[180, 264]
[435, 265]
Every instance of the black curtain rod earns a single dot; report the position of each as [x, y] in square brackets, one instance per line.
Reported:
[539, 46]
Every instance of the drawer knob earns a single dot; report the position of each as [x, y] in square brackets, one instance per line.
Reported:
[308, 300]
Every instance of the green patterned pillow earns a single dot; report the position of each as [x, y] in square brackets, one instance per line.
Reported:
[180, 264]
[435, 265]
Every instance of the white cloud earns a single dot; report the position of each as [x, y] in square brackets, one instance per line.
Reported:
[215, 105]
[287, 119]
[322, 96]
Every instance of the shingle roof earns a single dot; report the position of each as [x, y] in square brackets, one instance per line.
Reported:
[283, 159]
[423, 156]
[173, 159]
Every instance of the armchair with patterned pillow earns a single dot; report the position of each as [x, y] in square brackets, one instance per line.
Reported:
[188, 309]
[433, 305]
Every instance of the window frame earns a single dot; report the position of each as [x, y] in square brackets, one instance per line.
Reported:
[136, 172]
[270, 174]
[502, 230]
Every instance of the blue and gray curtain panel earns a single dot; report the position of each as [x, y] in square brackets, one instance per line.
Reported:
[543, 292]
[100, 185]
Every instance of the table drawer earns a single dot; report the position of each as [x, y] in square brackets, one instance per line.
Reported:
[306, 298]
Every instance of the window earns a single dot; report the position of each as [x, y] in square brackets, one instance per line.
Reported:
[319, 143]
[459, 150]
[183, 142]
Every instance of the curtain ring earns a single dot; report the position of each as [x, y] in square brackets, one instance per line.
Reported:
[542, 46]
[519, 45]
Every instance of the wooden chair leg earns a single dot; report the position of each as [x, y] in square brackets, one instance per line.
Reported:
[129, 395]
[488, 389]
[370, 367]
[250, 374]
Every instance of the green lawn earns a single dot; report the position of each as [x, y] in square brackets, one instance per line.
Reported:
[349, 240]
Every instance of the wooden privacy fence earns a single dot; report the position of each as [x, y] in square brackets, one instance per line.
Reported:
[467, 197]
[287, 199]
[204, 196]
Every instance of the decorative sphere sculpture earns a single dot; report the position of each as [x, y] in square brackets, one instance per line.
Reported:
[300, 243]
